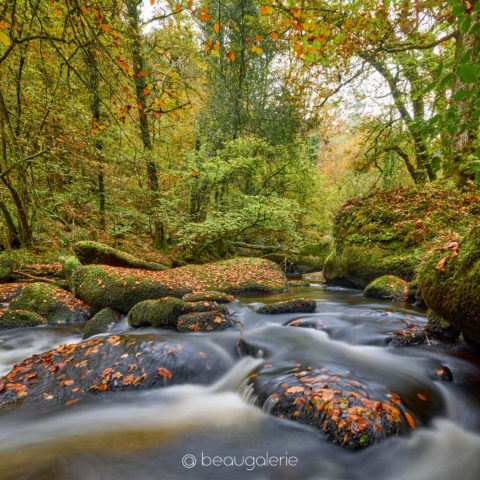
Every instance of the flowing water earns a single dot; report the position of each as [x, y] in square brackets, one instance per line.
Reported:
[148, 434]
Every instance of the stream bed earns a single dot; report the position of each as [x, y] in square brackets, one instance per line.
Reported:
[219, 431]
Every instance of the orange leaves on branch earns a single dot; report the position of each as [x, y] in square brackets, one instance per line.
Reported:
[178, 8]
[217, 27]
[163, 372]
[231, 56]
[275, 36]
[142, 74]
[266, 9]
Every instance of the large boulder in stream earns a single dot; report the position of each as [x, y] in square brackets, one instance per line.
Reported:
[115, 363]
[450, 285]
[101, 322]
[348, 412]
[121, 288]
[98, 253]
[10, 319]
[56, 305]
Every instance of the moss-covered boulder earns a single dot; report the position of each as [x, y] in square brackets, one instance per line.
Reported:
[311, 257]
[103, 366]
[218, 297]
[298, 305]
[120, 288]
[206, 321]
[387, 287]
[390, 232]
[53, 303]
[100, 322]
[439, 328]
[450, 284]
[19, 319]
[161, 313]
[97, 253]
[69, 266]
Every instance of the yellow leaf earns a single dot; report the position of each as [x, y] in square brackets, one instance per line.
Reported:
[178, 8]
[5, 39]
[259, 51]
[266, 9]
[217, 27]
[254, 49]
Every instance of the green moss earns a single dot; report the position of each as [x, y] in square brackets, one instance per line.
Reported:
[100, 322]
[207, 321]
[6, 267]
[449, 282]
[211, 296]
[387, 287]
[70, 266]
[157, 313]
[96, 253]
[53, 303]
[19, 319]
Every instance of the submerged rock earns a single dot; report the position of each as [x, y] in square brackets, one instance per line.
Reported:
[299, 305]
[218, 297]
[97, 253]
[449, 282]
[72, 373]
[53, 303]
[348, 412]
[19, 319]
[121, 288]
[100, 322]
[387, 287]
[206, 321]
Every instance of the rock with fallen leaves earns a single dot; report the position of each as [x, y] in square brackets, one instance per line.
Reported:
[298, 305]
[298, 283]
[347, 411]
[449, 282]
[19, 319]
[217, 297]
[199, 307]
[121, 288]
[56, 305]
[9, 291]
[100, 322]
[388, 287]
[73, 373]
[97, 253]
[162, 313]
[206, 321]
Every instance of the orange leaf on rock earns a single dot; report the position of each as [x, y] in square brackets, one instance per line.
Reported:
[291, 390]
[410, 420]
[164, 372]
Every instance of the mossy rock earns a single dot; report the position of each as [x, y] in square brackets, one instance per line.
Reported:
[100, 322]
[387, 287]
[6, 267]
[217, 297]
[356, 266]
[53, 303]
[311, 257]
[450, 280]
[299, 305]
[70, 266]
[120, 288]
[19, 319]
[99, 254]
[199, 307]
[440, 329]
[298, 283]
[161, 313]
[9, 291]
[206, 321]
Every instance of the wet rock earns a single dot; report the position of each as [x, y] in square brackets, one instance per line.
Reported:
[161, 313]
[73, 373]
[387, 287]
[299, 305]
[440, 329]
[120, 288]
[206, 321]
[19, 319]
[53, 303]
[211, 296]
[96, 253]
[345, 410]
[100, 322]
[408, 338]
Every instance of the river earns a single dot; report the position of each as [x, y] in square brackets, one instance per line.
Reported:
[197, 432]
